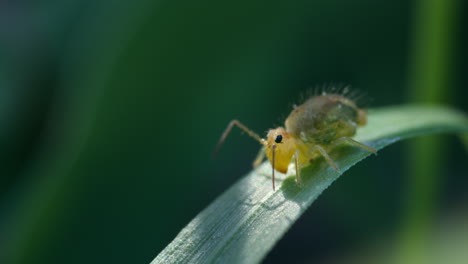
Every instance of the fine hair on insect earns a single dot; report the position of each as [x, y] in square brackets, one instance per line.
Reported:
[325, 120]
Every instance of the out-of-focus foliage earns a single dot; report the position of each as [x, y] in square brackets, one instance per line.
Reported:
[108, 109]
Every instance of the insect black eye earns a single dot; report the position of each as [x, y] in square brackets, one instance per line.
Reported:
[279, 138]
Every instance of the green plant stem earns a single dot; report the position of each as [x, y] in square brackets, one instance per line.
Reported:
[429, 83]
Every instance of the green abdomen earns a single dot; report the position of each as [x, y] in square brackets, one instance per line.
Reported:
[323, 119]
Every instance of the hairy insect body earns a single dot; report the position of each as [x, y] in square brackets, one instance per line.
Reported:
[312, 129]
[322, 119]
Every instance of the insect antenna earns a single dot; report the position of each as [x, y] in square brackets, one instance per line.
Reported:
[229, 128]
[273, 149]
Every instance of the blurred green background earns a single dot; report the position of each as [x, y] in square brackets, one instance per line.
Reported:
[109, 111]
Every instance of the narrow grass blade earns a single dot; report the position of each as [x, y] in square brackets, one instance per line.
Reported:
[245, 222]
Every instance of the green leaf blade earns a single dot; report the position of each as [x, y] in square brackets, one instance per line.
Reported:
[246, 221]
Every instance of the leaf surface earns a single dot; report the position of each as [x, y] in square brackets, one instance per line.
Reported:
[245, 222]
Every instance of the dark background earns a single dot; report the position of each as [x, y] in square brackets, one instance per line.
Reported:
[109, 111]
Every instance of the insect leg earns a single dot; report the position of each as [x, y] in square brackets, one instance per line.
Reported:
[241, 126]
[327, 157]
[355, 143]
[298, 167]
[260, 157]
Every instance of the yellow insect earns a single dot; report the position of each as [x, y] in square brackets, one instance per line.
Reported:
[311, 129]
